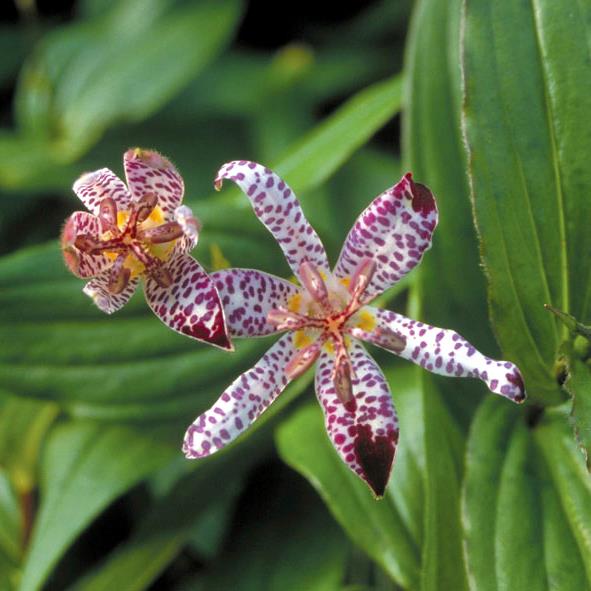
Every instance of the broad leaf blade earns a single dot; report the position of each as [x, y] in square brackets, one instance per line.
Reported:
[79, 479]
[528, 186]
[378, 527]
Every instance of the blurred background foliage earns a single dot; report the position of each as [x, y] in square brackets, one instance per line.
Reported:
[94, 492]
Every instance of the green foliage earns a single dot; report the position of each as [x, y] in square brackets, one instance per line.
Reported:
[484, 495]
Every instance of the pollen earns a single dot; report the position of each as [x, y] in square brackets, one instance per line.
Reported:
[295, 303]
[122, 217]
[136, 267]
[366, 321]
[157, 216]
[346, 281]
[301, 339]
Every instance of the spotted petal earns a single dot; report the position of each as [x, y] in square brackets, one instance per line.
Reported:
[81, 263]
[276, 206]
[248, 296]
[394, 231]
[190, 304]
[148, 172]
[93, 187]
[365, 430]
[108, 302]
[241, 403]
[445, 352]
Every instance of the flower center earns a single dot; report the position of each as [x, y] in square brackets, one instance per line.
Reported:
[136, 241]
[319, 315]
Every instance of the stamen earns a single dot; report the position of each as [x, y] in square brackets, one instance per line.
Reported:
[108, 215]
[160, 234]
[314, 284]
[88, 243]
[303, 359]
[342, 381]
[382, 336]
[118, 276]
[285, 320]
[161, 275]
[144, 207]
[362, 276]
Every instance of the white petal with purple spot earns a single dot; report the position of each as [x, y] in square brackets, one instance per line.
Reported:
[108, 302]
[278, 209]
[93, 187]
[394, 231]
[447, 353]
[248, 296]
[241, 403]
[81, 263]
[365, 430]
[148, 172]
[191, 304]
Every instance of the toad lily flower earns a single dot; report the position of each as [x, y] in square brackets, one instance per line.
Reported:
[327, 316]
[143, 231]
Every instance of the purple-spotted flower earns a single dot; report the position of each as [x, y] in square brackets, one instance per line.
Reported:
[143, 230]
[326, 317]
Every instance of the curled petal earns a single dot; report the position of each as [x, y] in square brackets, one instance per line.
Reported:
[188, 301]
[99, 289]
[248, 296]
[447, 353]
[82, 263]
[150, 172]
[365, 434]
[278, 209]
[394, 231]
[241, 403]
[191, 226]
[93, 187]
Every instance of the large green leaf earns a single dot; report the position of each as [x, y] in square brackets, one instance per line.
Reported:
[526, 133]
[168, 526]
[79, 479]
[388, 530]
[526, 502]
[123, 66]
[453, 285]
[442, 557]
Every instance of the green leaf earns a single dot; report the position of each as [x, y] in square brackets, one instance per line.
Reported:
[11, 534]
[578, 386]
[432, 150]
[23, 425]
[121, 67]
[486, 450]
[305, 535]
[520, 530]
[529, 181]
[388, 530]
[442, 558]
[79, 479]
[573, 485]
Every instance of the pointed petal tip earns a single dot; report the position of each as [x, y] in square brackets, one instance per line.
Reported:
[375, 456]
[217, 184]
